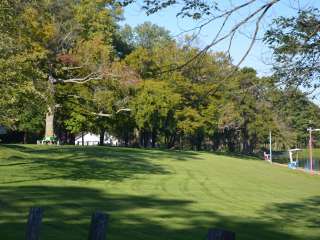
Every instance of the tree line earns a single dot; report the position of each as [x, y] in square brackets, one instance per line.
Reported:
[68, 67]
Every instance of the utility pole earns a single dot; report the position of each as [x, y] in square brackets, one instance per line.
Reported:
[310, 150]
[310, 147]
[270, 146]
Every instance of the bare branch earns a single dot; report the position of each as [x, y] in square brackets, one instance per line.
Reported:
[124, 110]
[230, 45]
[71, 68]
[90, 77]
[225, 14]
[255, 34]
[100, 114]
[230, 35]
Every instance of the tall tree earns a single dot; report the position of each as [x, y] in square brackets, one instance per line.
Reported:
[146, 35]
[229, 19]
[153, 108]
[57, 42]
[295, 42]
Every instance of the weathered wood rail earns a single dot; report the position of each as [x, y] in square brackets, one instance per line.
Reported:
[98, 227]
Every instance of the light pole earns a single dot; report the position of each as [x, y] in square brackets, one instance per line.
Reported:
[270, 146]
[310, 146]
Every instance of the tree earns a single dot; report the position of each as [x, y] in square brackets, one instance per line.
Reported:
[56, 42]
[19, 66]
[153, 108]
[216, 13]
[295, 42]
[293, 39]
[70, 60]
[298, 112]
[146, 35]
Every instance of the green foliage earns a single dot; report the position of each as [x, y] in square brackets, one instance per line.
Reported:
[295, 43]
[45, 41]
[76, 123]
[147, 35]
[133, 85]
[188, 8]
[299, 113]
[141, 60]
[154, 107]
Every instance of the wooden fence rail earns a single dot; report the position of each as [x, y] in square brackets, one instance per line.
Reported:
[98, 227]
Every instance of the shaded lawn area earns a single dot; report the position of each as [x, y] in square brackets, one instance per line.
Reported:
[153, 194]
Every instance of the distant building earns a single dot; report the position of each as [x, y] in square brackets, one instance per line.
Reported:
[91, 139]
[2, 130]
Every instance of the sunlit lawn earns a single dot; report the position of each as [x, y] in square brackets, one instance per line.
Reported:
[153, 194]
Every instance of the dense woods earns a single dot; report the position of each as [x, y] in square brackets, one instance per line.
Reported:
[72, 61]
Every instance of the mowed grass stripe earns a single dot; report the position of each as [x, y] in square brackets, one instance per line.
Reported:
[153, 194]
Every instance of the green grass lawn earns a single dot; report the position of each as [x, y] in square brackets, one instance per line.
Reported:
[153, 194]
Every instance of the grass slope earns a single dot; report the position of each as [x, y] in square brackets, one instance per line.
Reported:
[153, 194]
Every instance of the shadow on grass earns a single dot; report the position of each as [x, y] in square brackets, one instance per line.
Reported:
[87, 163]
[92, 163]
[98, 151]
[68, 210]
[76, 163]
[305, 213]
[118, 151]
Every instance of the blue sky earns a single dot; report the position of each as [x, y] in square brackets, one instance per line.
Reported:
[260, 56]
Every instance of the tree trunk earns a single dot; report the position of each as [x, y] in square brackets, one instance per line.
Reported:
[245, 143]
[136, 137]
[215, 139]
[126, 139]
[153, 138]
[141, 137]
[49, 132]
[82, 139]
[245, 136]
[171, 141]
[199, 141]
[25, 137]
[146, 139]
[102, 133]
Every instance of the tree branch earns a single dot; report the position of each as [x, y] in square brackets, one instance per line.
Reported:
[90, 77]
[101, 114]
[231, 34]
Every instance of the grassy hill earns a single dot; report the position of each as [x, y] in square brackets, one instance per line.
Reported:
[153, 194]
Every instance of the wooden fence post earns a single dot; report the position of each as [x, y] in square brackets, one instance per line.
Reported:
[98, 227]
[34, 223]
[219, 234]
